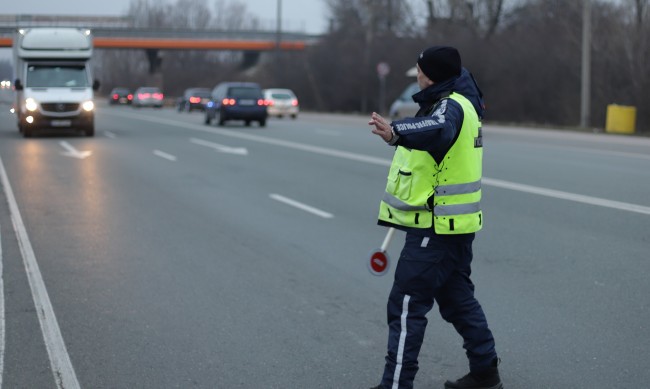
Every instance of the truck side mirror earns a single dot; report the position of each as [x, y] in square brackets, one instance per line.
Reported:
[96, 85]
[18, 85]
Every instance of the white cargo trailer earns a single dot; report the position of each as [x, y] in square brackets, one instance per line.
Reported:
[53, 80]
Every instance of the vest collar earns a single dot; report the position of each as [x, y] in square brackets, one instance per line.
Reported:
[431, 94]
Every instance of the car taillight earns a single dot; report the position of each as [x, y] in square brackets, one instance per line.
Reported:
[268, 102]
[158, 96]
[195, 99]
[228, 102]
[261, 102]
[130, 97]
[294, 102]
[144, 95]
[115, 96]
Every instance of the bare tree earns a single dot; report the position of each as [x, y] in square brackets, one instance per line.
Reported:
[191, 14]
[481, 16]
[233, 15]
[150, 13]
[525, 54]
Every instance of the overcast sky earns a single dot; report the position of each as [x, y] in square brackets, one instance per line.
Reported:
[306, 15]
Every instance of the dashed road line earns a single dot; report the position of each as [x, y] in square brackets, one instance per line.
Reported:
[385, 162]
[299, 205]
[164, 155]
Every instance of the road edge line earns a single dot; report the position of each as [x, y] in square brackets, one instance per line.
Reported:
[62, 369]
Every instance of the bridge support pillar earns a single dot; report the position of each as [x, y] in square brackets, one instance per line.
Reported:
[155, 68]
[155, 60]
[250, 59]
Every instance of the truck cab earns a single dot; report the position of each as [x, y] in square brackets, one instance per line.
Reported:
[53, 80]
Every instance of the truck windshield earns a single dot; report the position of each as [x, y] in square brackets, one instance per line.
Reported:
[47, 76]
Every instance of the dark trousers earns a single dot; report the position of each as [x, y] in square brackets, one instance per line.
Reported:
[433, 269]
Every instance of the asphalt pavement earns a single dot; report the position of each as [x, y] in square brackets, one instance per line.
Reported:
[164, 253]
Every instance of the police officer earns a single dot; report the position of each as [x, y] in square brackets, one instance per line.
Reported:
[433, 193]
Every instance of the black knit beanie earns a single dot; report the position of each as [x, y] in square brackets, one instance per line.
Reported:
[440, 63]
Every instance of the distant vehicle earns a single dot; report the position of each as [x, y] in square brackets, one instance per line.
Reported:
[280, 102]
[120, 96]
[53, 80]
[193, 99]
[148, 96]
[236, 101]
[404, 106]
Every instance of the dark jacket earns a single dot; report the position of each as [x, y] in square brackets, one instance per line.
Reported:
[439, 135]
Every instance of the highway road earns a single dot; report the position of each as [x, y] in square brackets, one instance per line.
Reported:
[164, 253]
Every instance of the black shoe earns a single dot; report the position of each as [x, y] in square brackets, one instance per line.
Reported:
[473, 381]
[487, 379]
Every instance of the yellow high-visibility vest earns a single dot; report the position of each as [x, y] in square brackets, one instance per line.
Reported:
[421, 193]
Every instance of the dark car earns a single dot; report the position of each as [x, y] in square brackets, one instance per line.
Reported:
[193, 99]
[120, 96]
[236, 101]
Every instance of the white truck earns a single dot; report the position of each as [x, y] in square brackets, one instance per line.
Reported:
[53, 80]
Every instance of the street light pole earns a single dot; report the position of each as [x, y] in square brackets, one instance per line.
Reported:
[278, 41]
[585, 93]
[278, 27]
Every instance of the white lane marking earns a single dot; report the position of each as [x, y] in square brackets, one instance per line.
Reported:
[606, 152]
[570, 135]
[567, 196]
[64, 375]
[220, 148]
[164, 155]
[109, 134]
[601, 152]
[261, 139]
[72, 152]
[385, 162]
[302, 206]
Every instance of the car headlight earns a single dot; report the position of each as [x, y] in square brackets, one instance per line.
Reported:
[88, 106]
[31, 105]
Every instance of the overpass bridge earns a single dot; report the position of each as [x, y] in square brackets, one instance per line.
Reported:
[118, 33]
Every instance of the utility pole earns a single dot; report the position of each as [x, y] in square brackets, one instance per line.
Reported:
[585, 95]
[278, 27]
[278, 40]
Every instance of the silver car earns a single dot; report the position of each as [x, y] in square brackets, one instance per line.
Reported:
[148, 97]
[404, 106]
[281, 102]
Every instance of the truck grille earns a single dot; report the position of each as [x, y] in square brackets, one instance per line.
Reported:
[60, 107]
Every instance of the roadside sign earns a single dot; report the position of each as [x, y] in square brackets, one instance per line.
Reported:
[383, 69]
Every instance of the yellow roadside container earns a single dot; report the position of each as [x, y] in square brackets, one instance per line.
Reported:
[620, 119]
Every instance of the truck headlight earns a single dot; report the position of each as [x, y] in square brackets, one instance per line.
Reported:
[88, 106]
[31, 105]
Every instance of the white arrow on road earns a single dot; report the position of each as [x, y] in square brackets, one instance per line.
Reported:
[220, 148]
[74, 153]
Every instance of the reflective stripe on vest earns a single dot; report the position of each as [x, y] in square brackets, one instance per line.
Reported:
[456, 209]
[446, 190]
[401, 205]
